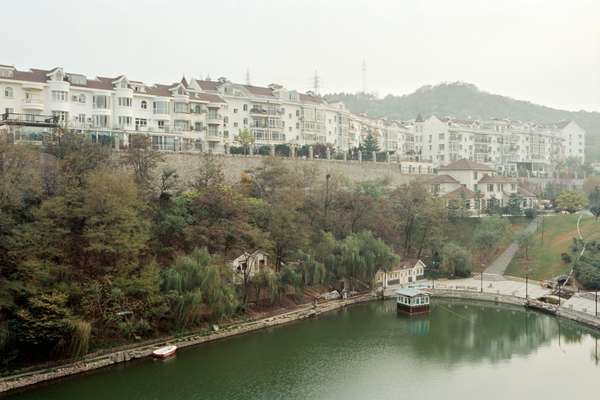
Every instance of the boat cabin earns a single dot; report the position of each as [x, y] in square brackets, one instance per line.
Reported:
[412, 301]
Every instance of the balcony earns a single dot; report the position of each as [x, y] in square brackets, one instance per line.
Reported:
[213, 118]
[33, 103]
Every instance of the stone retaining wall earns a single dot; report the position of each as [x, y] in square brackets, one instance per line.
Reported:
[99, 361]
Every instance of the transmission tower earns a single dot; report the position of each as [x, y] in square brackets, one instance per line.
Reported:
[248, 76]
[364, 76]
[316, 83]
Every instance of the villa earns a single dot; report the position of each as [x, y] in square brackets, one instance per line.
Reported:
[479, 187]
[407, 271]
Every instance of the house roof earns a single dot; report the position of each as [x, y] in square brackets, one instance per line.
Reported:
[466, 165]
[260, 91]
[212, 98]
[409, 292]
[461, 192]
[497, 179]
[524, 192]
[307, 98]
[439, 179]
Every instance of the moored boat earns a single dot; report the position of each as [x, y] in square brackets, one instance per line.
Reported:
[164, 352]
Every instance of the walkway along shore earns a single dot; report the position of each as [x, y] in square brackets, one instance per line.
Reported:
[444, 290]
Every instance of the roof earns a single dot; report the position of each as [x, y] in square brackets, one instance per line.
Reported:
[212, 98]
[159, 90]
[466, 165]
[409, 292]
[33, 75]
[439, 179]
[497, 179]
[461, 192]
[307, 98]
[208, 85]
[524, 192]
[259, 90]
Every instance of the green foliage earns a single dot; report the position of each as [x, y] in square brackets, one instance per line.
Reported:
[594, 201]
[370, 144]
[246, 139]
[491, 231]
[455, 261]
[587, 268]
[571, 200]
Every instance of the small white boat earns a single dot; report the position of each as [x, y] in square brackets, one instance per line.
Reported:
[165, 351]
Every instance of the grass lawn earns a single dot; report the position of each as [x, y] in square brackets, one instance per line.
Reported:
[462, 232]
[544, 258]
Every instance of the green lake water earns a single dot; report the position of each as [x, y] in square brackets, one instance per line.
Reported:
[460, 351]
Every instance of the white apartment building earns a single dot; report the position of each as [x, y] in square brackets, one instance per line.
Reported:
[207, 115]
[506, 145]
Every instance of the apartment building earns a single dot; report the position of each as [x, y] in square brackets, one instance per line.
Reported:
[208, 115]
[504, 144]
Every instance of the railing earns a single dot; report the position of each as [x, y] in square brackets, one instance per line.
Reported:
[21, 118]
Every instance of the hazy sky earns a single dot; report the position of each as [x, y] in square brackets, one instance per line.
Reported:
[545, 51]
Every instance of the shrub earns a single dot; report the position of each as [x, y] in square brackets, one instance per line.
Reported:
[530, 213]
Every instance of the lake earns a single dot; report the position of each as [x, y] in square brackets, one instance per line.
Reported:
[462, 350]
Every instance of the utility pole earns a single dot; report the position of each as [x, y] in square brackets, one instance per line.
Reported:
[248, 76]
[481, 275]
[316, 83]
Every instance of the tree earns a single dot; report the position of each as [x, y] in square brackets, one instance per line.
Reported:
[490, 232]
[594, 201]
[455, 261]
[142, 158]
[246, 139]
[370, 144]
[525, 240]
[571, 200]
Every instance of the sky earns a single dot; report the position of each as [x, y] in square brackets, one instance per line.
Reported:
[544, 51]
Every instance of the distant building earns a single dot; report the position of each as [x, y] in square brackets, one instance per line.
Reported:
[478, 187]
[411, 301]
[247, 265]
[407, 271]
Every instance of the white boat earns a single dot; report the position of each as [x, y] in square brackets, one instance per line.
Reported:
[165, 351]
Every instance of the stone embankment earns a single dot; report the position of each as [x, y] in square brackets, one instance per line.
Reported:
[93, 362]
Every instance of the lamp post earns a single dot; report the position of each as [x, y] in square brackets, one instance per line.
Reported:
[596, 301]
[527, 285]
[481, 276]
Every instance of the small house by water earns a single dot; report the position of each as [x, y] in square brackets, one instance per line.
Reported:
[412, 301]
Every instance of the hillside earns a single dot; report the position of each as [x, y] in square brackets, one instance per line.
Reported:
[465, 100]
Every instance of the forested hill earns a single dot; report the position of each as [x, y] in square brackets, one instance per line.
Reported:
[465, 100]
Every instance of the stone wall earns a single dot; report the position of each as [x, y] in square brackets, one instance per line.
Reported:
[187, 166]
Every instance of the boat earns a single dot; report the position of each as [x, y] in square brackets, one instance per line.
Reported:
[164, 352]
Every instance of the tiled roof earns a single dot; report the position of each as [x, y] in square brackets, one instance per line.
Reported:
[212, 98]
[524, 192]
[497, 179]
[159, 90]
[260, 91]
[208, 85]
[466, 165]
[461, 192]
[33, 75]
[439, 179]
[99, 83]
[307, 98]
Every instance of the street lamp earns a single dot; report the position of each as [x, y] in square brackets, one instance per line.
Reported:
[481, 275]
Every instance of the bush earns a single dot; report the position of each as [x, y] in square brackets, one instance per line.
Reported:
[264, 150]
[283, 150]
[566, 258]
[455, 261]
[530, 213]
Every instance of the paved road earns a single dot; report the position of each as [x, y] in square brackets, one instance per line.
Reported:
[499, 265]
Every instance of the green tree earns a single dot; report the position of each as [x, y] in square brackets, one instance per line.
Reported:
[246, 139]
[370, 144]
[571, 200]
[594, 201]
[142, 158]
[525, 240]
[455, 261]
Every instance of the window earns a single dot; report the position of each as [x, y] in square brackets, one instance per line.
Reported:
[441, 136]
[61, 115]
[124, 121]
[245, 121]
[59, 95]
[124, 101]
[100, 102]
[180, 125]
[181, 108]
[8, 92]
[441, 147]
[225, 120]
[101, 121]
[82, 98]
[297, 113]
[490, 187]
[235, 124]
[144, 105]
[161, 124]
[513, 187]
[198, 126]
[81, 118]
[161, 107]
[245, 107]
[141, 123]
[475, 175]
[235, 110]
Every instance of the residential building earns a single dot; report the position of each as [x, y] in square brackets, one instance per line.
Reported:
[247, 265]
[407, 271]
[478, 187]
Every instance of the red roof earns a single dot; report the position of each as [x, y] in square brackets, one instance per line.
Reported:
[461, 192]
[260, 91]
[466, 165]
[439, 179]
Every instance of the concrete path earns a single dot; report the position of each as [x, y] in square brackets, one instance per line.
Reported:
[499, 265]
